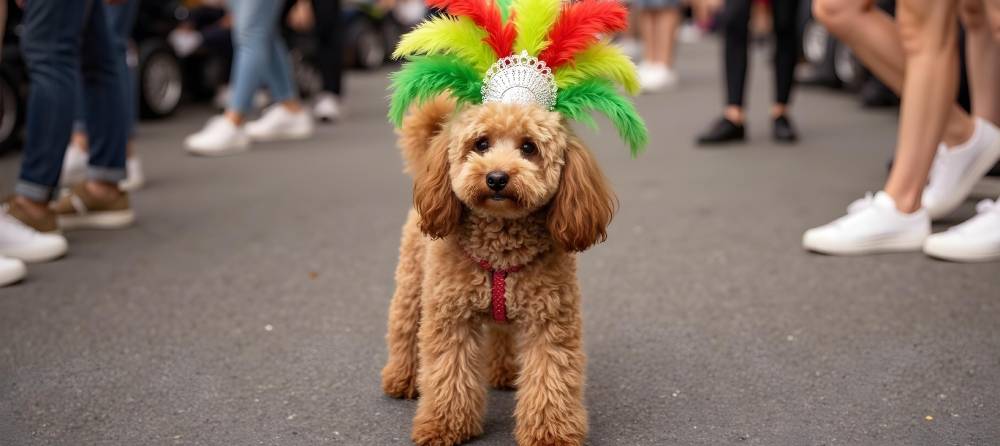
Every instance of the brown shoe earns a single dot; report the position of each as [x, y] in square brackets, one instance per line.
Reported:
[29, 238]
[80, 209]
[45, 223]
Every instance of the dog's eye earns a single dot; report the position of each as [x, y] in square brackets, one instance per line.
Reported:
[481, 145]
[528, 148]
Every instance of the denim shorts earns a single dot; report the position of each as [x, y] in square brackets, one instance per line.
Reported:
[655, 4]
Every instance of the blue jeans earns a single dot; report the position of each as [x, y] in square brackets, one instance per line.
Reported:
[261, 57]
[121, 20]
[60, 39]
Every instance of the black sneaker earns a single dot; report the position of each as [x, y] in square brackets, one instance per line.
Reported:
[784, 131]
[722, 131]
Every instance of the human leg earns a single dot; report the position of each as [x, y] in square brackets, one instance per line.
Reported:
[872, 35]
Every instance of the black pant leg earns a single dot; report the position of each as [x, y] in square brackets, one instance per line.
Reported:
[736, 23]
[786, 41]
[330, 43]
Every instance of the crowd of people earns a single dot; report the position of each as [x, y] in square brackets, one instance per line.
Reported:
[79, 161]
[81, 109]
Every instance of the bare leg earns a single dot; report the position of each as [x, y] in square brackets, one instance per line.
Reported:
[928, 30]
[993, 14]
[646, 32]
[983, 58]
[667, 22]
[872, 35]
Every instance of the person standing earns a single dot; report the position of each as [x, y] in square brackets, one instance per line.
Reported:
[735, 20]
[261, 59]
[658, 24]
[59, 39]
[11, 270]
[323, 19]
[121, 20]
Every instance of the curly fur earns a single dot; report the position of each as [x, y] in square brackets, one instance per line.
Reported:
[442, 342]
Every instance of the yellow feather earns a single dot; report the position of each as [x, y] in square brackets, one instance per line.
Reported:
[533, 19]
[599, 60]
[446, 35]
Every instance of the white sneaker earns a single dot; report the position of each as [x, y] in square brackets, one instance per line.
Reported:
[134, 178]
[327, 107]
[656, 77]
[74, 168]
[956, 171]
[23, 242]
[11, 271]
[219, 137]
[872, 225]
[278, 123]
[976, 240]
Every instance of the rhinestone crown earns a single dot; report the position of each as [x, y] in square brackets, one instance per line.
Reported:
[520, 79]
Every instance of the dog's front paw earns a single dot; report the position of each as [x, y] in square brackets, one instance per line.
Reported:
[568, 430]
[430, 433]
[399, 382]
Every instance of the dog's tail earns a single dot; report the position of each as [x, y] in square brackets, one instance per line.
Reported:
[420, 127]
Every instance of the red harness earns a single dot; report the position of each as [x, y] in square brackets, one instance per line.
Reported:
[498, 291]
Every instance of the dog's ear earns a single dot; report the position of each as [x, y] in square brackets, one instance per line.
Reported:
[439, 208]
[419, 128]
[584, 204]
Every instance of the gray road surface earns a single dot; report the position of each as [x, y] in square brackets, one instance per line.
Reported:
[248, 305]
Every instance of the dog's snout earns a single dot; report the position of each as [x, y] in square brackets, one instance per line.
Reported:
[497, 180]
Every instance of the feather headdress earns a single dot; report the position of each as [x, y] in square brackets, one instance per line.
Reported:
[526, 51]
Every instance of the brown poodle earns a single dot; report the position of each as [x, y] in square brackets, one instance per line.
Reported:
[486, 288]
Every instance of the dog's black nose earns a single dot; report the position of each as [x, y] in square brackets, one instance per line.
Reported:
[497, 180]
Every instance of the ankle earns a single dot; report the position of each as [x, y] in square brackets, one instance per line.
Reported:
[103, 190]
[234, 117]
[778, 110]
[33, 208]
[958, 133]
[734, 114]
[292, 106]
[906, 203]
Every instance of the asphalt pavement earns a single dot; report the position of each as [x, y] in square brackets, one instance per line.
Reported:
[247, 306]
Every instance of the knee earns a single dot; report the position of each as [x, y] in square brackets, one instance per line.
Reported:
[922, 32]
[973, 15]
[838, 14]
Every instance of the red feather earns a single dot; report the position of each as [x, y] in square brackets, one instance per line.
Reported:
[486, 14]
[579, 26]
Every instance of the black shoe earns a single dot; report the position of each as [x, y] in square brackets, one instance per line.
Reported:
[722, 131]
[784, 131]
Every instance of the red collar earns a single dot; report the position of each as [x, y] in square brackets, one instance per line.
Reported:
[498, 291]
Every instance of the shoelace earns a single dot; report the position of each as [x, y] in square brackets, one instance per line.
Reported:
[861, 203]
[986, 205]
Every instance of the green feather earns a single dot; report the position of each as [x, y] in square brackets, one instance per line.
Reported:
[448, 35]
[424, 77]
[600, 60]
[504, 8]
[575, 102]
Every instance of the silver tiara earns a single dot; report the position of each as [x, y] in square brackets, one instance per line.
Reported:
[520, 79]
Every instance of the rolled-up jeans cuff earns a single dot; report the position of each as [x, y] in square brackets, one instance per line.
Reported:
[107, 174]
[33, 192]
[79, 127]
